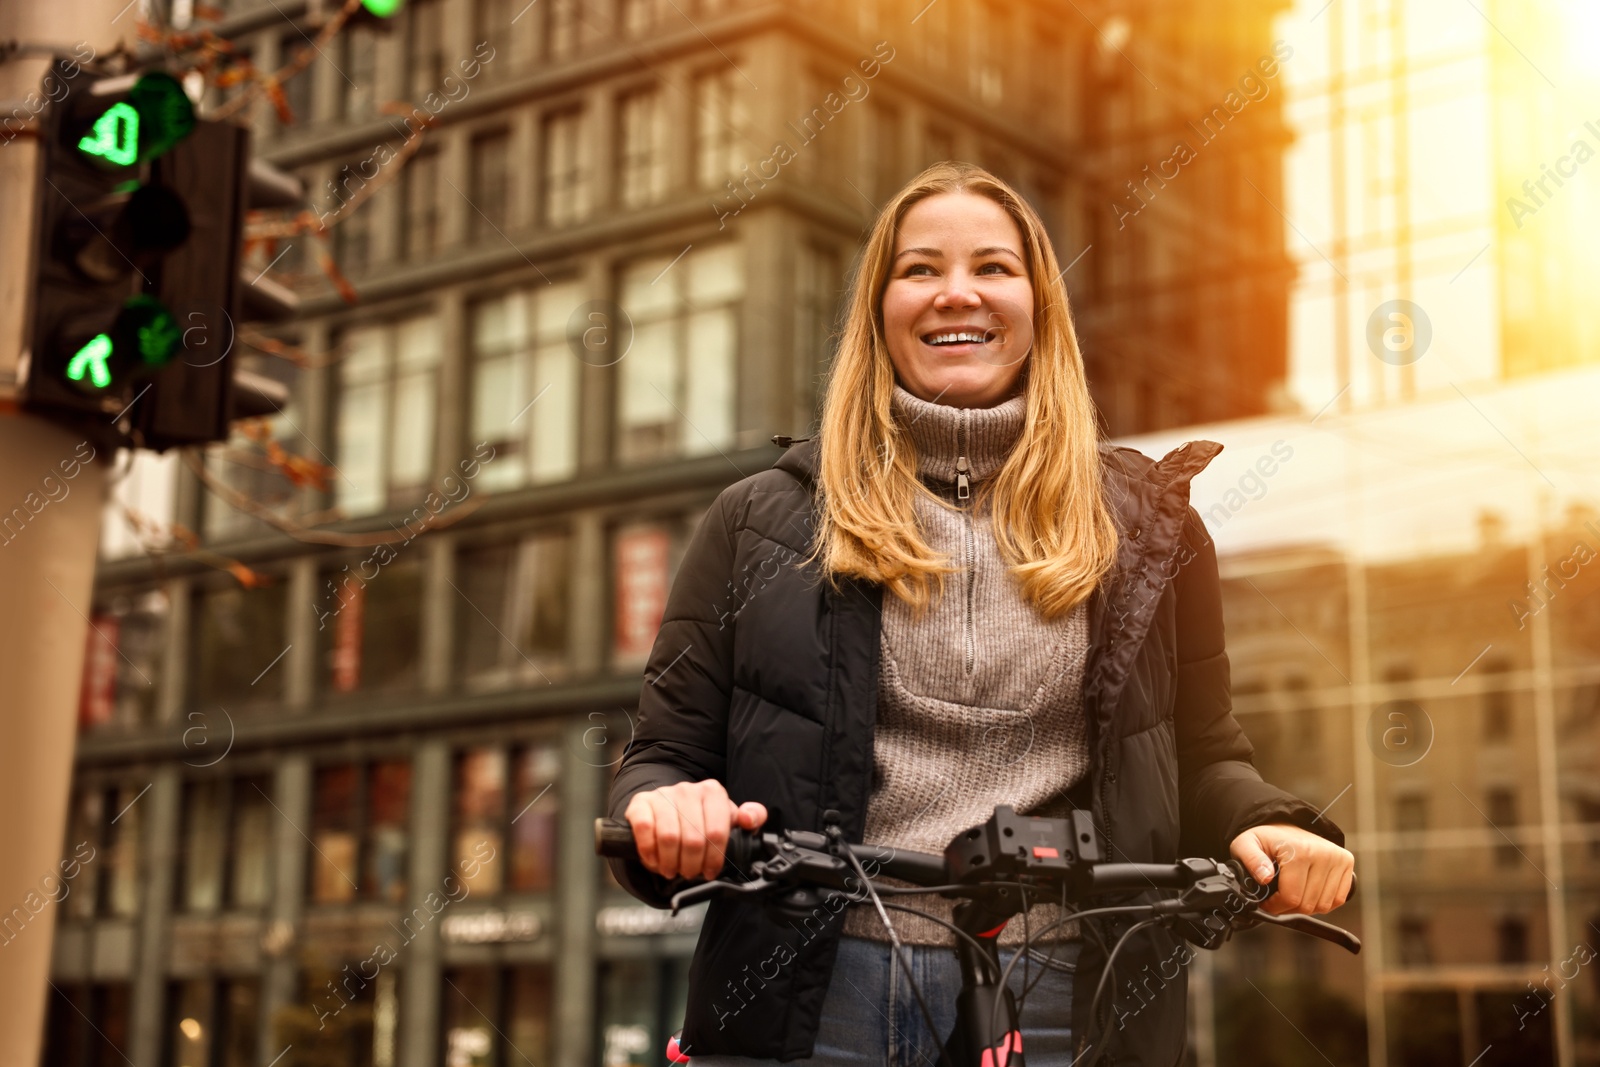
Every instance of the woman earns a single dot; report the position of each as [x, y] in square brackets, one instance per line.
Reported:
[814, 663]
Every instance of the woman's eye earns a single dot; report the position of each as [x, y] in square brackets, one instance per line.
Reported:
[917, 268]
[999, 267]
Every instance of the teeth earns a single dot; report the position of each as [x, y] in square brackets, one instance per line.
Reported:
[956, 338]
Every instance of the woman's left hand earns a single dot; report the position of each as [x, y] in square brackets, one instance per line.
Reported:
[1313, 873]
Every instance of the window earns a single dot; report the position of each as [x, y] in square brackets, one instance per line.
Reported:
[640, 17]
[238, 635]
[388, 382]
[1411, 814]
[425, 47]
[127, 638]
[420, 186]
[100, 863]
[676, 395]
[1497, 701]
[561, 28]
[513, 611]
[497, 1015]
[226, 847]
[566, 173]
[642, 148]
[816, 312]
[941, 145]
[352, 241]
[883, 152]
[213, 1022]
[243, 465]
[360, 72]
[720, 121]
[492, 22]
[491, 186]
[641, 1002]
[1415, 947]
[506, 818]
[1502, 812]
[525, 384]
[359, 832]
[88, 1024]
[369, 616]
[1511, 940]
[989, 37]
[296, 86]
[934, 22]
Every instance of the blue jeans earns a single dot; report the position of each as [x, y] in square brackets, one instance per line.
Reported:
[870, 1016]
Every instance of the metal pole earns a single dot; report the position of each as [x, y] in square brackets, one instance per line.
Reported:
[47, 559]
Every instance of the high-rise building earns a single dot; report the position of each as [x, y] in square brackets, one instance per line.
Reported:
[346, 728]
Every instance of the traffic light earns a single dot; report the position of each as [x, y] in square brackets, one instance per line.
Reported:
[378, 14]
[200, 392]
[137, 296]
[97, 326]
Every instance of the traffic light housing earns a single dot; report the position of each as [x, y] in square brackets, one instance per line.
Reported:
[137, 295]
[96, 325]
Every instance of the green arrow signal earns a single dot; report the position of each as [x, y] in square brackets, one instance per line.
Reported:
[91, 359]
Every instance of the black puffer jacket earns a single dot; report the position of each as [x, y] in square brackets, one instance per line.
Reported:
[765, 679]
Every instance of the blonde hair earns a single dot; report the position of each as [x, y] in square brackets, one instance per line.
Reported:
[1050, 519]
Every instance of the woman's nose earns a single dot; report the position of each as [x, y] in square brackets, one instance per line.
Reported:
[957, 293]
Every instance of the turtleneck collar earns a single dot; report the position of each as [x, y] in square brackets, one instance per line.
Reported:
[936, 434]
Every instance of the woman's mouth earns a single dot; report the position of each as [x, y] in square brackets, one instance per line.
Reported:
[957, 340]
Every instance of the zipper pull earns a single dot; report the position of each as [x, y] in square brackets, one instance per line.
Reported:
[963, 485]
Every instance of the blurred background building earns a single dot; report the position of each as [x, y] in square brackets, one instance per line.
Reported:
[357, 681]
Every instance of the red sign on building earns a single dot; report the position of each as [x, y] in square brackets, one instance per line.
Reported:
[641, 583]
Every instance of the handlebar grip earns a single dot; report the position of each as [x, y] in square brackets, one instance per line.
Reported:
[614, 838]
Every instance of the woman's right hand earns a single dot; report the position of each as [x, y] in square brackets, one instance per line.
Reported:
[681, 830]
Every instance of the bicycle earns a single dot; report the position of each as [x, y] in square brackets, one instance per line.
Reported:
[993, 869]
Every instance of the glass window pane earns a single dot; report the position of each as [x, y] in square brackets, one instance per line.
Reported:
[359, 483]
[648, 288]
[483, 577]
[204, 845]
[650, 377]
[85, 846]
[710, 401]
[535, 822]
[389, 810]
[545, 582]
[249, 880]
[715, 274]
[333, 834]
[124, 836]
[552, 422]
[469, 1010]
[480, 812]
[528, 1016]
[238, 633]
[363, 355]
[412, 445]
[554, 309]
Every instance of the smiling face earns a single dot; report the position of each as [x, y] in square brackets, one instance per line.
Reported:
[958, 306]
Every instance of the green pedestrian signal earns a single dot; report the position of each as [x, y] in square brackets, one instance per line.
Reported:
[383, 8]
[154, 115]
[91, 359]
[115, 136]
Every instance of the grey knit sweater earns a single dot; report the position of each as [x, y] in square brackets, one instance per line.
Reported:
[980, 701]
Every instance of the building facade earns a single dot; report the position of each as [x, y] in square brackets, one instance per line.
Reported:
[358, 680]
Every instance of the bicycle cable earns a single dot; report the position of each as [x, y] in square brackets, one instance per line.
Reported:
[894, 938]
[1109, 971]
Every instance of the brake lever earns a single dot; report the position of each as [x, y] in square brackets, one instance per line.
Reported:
[1306, 924]
[716, 887]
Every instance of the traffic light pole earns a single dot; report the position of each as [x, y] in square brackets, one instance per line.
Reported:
[49, 530]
